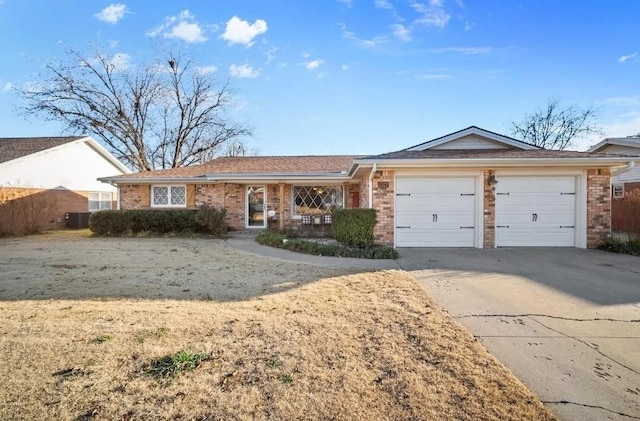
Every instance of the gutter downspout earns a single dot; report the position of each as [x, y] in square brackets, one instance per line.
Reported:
[373, 171]
[630, 165]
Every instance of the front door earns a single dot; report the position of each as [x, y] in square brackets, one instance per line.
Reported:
[255, 213]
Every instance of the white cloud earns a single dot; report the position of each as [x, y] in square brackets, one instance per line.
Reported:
[239, 31]
[626, 58]
[344, 67]
[120, 61]
[431, 14]
[112, 13]
[7, 87]
[401, 32]
[362, 42]
[434, 76]
[347, 3]
[243, 71]
[468, 26]
[305, 55]
[113, 43]
[182, 26]
[204, 70]
[383, 4]
[313, 64]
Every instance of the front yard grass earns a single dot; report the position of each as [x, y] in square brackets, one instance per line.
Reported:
[365, 346]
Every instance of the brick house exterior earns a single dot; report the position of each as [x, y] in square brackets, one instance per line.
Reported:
[44, 178]
[282, 190]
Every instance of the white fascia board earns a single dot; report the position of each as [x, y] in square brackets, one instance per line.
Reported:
[240, 179]
[472, 131]
[496, 163]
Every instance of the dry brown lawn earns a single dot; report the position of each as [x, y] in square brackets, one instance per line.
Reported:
[363, 346]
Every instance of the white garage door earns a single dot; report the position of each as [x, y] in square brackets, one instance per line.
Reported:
[435, 212]
[536, 211]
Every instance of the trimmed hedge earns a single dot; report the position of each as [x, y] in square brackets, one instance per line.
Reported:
[157, 221]
[354, 227]
[280, 240]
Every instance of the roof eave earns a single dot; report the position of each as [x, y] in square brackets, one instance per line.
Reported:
[499, 162]
[236, 178]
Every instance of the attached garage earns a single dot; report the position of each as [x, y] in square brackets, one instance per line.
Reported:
[436, 211]
[536, 211]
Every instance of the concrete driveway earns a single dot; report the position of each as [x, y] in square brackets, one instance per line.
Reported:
[565, 321]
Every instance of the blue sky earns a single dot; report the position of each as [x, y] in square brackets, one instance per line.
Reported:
[358, 76]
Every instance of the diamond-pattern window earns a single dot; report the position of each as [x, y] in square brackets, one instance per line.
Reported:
[169, 196]
[317, 200]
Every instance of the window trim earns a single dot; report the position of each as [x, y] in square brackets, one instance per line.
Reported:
[620, 195]
[99, 193]
[295, 216]
[168, 205]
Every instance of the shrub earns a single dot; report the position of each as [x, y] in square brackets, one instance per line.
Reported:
[354, 227]
[277, 239]
[616, 245]
[131, 222]
[212, 220]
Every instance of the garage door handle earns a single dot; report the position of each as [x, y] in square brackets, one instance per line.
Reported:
[403, 194]
[464, 228]
[567, 226]
[467, 194]
[435, 217]
[534, 217]
[403, 227]
[502, 226]
[567, 194]
[502, 194]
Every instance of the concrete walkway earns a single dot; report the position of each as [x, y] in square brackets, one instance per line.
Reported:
[246, 242]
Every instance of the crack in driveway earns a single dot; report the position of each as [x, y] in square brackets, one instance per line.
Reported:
[531, 316]
[573, 319]
[586, 405]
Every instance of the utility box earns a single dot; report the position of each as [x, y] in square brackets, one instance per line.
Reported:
[77, 220]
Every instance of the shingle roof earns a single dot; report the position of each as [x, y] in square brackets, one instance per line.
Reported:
[328, 164]
[16, 147]
[489, 154]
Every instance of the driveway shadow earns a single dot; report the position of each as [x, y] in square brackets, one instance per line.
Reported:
[600, 277]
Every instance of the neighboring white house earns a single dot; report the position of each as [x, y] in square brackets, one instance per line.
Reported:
[64, 170]
[624, 181]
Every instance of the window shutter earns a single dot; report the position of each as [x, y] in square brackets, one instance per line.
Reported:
[191, 195]
[145, 196]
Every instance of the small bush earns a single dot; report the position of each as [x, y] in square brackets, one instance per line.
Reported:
[173, 365]
[212, 220]
[279, 240]
[354, 227]
[616, 245]
[158, 221]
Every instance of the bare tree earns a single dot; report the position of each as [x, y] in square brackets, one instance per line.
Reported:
[161, 115]
[553, 127]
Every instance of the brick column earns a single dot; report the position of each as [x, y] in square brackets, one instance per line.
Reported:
[598, 206]
[383, 203]
[489, 214]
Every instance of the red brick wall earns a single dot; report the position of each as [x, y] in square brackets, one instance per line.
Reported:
[383, 203]
[134, 196]
[598, 206]
[618, 221]
[22, 208]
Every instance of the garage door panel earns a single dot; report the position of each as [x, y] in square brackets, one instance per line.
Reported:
[536, 211]
[435, 212]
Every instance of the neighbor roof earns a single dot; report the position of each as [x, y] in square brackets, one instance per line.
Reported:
[253, 165]
[621, 141]
[16, 147]
[472, 130]
[489, 154]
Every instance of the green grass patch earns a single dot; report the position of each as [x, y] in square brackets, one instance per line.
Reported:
[102, 339]
[176, 364]
[286, 378]
[274, 363]
[280, 240]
